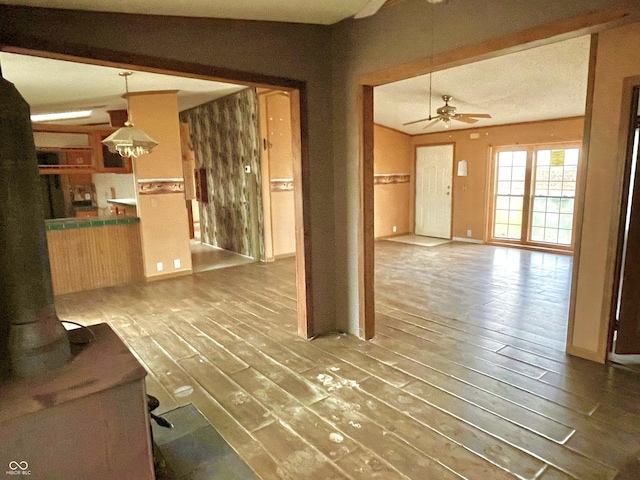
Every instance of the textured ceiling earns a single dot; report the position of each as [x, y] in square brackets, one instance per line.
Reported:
[57, 86]
[298, 11]
[536, 84]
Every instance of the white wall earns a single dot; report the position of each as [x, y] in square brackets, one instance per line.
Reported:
[123, 183]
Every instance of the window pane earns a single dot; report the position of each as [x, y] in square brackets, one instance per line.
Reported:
[571, 156]
[517, 188]
[543, 157]
[502, 216]
[552, 220]
[566, 221]
[537, 234]
[520, 159]
[566, 205]
[504, 173]
[541, 189]
[504, 188]
[519, 173]
[539, 204]
[570, 174]
[564, 237]
[515, 232]
[515, 218]
[502, 203]
[553, 205]
[551, 235]
[516, 203]
[556, 174]
[501, 230]
[504, 159]
[538, 219]
[568, 189]
[542, 174]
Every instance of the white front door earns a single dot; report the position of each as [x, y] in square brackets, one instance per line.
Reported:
[434, 170]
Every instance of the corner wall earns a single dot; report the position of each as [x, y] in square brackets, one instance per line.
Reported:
[394, 186]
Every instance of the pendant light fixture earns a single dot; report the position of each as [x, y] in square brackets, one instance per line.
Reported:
[129, 141]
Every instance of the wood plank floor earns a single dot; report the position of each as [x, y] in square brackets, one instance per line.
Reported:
[466, 378]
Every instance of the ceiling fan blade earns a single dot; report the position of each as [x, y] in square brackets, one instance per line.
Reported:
[465, 119]
[370, 8]
[432, 123]
[477, 115]
[418, 121]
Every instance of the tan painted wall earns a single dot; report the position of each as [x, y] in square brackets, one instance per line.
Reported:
[470, 205]
[164, 222]
[618, 57]
[394, 203]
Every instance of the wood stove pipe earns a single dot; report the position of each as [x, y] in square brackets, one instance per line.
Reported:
[32, 339]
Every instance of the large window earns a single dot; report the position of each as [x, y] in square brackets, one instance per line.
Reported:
[534, 193]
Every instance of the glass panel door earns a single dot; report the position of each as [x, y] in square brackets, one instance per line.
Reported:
[534, 190]
[554, 179]
[511, 171]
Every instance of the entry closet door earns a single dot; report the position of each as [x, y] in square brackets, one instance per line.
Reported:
[434, 170]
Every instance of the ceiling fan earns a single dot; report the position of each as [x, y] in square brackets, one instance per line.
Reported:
[447, 113]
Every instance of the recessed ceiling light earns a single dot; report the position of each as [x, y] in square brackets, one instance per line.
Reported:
[50, 117]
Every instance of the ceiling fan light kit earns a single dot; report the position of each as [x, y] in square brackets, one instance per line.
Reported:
[446, 113]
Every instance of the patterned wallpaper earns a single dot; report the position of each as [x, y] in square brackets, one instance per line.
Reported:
[225, 138]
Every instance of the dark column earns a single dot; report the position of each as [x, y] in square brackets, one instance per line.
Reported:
[32, 339]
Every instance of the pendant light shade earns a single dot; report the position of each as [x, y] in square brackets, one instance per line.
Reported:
[129, 141]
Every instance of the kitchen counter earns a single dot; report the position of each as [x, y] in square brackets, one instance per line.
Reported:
[125, 202]
[94, 252]
[123, 206]
[69, 223]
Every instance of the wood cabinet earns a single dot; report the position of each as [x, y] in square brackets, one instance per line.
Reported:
[79, 157]
[76, 149]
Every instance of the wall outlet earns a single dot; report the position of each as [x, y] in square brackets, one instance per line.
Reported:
[468, 233]
[394, 229]
[154, 202]
[176, 263]
[159, 266]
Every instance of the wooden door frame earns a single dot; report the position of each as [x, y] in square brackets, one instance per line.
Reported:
[619, 218]
[560, 30]
[415, 183]
[55, 49]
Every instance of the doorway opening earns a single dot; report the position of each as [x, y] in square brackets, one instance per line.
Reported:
[624, 341]
[297, 94]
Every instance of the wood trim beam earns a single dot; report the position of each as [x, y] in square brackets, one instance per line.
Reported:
[620, 14]
[37, 47]
[366, 250]
[302, 203]
[581, 192]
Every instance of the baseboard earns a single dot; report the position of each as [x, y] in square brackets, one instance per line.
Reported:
[467, 240]
[284, 255]
[164, 276]
[393, 235]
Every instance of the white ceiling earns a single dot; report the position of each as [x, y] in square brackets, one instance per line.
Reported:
[297, 11]
[57, 86]
[536, 84]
